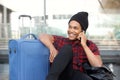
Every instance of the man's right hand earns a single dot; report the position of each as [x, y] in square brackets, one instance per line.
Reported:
[53, 53]
[48, 40]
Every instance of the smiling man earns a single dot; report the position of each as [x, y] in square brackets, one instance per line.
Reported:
[68, 54]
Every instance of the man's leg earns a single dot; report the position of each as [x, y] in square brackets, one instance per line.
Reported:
[77, 75]
[60, 62]
[67, 73]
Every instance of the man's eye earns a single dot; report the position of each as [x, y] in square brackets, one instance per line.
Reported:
[75, 27]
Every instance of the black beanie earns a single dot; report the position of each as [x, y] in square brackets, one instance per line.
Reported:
[82, 19]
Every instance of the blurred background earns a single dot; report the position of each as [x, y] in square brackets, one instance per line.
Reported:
[19, 17]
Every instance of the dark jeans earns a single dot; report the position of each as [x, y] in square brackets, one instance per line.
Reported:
[61, 68]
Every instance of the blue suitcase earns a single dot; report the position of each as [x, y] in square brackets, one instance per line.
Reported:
[28, 59]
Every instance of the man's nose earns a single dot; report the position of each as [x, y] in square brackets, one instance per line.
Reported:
[71, 29]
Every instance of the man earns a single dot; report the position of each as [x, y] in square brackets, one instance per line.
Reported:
[68, 54]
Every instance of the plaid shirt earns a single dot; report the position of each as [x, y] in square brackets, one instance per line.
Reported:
[79, 55]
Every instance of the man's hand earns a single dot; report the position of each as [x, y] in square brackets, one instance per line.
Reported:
[53, 53]
[82, 38]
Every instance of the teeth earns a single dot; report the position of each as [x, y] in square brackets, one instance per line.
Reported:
[71, 34]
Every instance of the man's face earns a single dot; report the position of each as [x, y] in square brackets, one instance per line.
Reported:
[74, 29]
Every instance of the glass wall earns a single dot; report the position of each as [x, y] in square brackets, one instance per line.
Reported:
[103, 29]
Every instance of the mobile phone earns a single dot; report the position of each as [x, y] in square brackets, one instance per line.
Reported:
[80, 39]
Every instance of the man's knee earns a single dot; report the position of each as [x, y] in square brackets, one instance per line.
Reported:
[66, 50]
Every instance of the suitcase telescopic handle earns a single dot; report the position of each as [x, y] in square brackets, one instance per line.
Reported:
[25, 16]
[28, 35]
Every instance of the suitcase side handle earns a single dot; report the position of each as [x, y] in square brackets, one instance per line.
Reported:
[29, 35]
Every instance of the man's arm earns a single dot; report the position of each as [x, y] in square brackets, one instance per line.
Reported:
[94, 60]
[48, 41]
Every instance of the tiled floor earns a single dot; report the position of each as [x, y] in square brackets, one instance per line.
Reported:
[4, 71]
